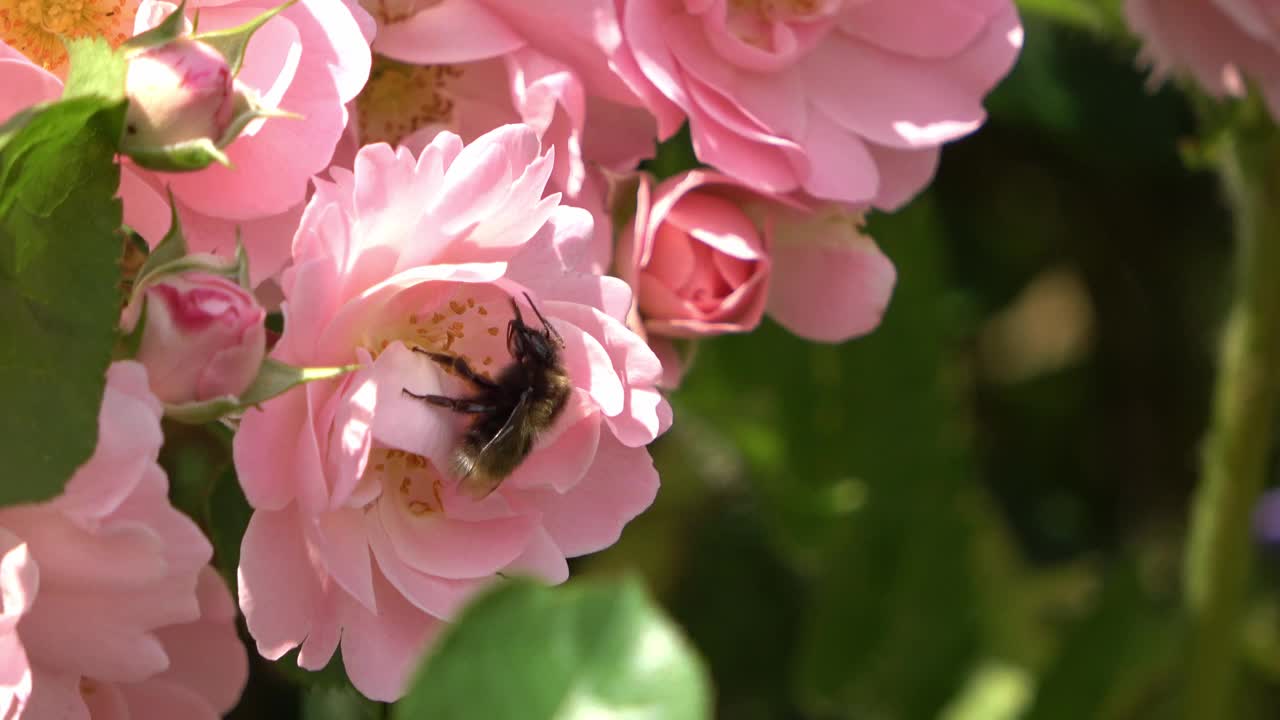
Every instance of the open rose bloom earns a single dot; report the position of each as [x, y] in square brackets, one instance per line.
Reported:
[471, 65]
[360, 535]
[109, 607]
[1220, 43]
[843, 100]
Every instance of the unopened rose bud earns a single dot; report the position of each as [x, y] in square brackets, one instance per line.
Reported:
[204, 337]
[178, 92]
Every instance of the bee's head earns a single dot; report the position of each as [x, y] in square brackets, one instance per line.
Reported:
[528, 344]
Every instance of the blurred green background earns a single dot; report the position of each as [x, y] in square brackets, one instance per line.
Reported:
[977, 512]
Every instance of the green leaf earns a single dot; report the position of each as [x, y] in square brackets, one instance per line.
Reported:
[187, 156]
[339, 703]
[232, 42]
[96, 69]
[172, 247]
[16, 122]
[274, 378]
[1118, 662]
[59, 250]
[166, 32]
[1101, 16]
[528, 652]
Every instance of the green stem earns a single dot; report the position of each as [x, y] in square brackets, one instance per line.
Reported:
[1238, 445]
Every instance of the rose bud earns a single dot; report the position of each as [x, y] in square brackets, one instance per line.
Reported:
[708, 255]
[701, 266]
[178, 92]
[204, 337]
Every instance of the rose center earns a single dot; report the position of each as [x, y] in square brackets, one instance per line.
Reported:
[36, 28]
[391, 11]
[779, 10]
[411, 479]
[463, 326]
[400, 99]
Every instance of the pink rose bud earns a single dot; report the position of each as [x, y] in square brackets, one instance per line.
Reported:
[706, 254]
[702, 265]
[203, 339]
[178, 92]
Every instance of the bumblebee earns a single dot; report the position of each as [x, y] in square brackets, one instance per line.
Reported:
[511, 410]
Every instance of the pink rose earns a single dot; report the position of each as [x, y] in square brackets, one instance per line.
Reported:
[701, 264]
[178, 92]
[707, 254]
[312, 60]
[361, 535]
[844, 100]
[203, 339]
[1218, 42]
[472, 65]
[107, 595]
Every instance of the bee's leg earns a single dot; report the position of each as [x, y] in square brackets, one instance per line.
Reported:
[459, 366]
[461, 405]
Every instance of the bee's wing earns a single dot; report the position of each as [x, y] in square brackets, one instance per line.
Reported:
[478, 483]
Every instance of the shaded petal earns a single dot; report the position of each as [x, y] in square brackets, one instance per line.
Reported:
[619, 486]
[279, 589]
[830, 282]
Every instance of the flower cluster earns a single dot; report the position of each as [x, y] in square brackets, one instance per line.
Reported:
[450, 205]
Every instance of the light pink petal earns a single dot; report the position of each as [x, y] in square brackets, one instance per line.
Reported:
[343, 548]
[436, 544]
[57, 695]
[840, 165]
[646, 416]
[326, 627]
[635, 362]
[830, 282]
[324, 398]
[555, 264]
[279, 590]
[481, 179]
[207, 656]
[405, 422]
[542, 560]
[440, 597]
[351, 436]
[903, 174]
[268, 455]
[590, 517]
[719, 223]
[933, 29]
[644, 23]
[588, 363]
[348, 51]
[19, 582]
[129, 440]
[25, 85]
[267, 240]
[767, 166]
[120, 650]
[944, 100]
[117, 557]
[145, 208]
[451, 31]
[159, 699]
[562, 463]
[380, 651]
